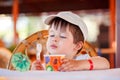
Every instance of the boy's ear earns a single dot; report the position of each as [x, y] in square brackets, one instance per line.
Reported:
[79, 45]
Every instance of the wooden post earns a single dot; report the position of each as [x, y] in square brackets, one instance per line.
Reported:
[112, 31]
[118, 33]
[15, 16]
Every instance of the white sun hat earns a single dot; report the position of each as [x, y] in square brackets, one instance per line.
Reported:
[71, 18]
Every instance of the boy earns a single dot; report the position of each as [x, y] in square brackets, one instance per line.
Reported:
[67, 34]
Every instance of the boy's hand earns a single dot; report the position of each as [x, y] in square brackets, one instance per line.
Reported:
[69, 65]
[36, 65]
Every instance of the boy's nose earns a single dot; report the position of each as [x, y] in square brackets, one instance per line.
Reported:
[55, 39]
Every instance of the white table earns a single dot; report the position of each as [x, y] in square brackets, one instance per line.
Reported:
[110, 74]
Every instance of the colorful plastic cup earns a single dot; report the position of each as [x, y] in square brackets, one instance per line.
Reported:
[52, 62]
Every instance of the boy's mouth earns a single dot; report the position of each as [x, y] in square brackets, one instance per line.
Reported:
[53, 46]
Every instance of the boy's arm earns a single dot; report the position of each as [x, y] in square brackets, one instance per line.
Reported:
[94, 63]
[100, 63]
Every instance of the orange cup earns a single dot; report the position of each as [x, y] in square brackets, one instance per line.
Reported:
[52, 62]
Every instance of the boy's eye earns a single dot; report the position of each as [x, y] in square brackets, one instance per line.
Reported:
[63, 37]
[51, 35]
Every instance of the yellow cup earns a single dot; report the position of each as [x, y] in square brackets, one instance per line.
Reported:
[52, 62]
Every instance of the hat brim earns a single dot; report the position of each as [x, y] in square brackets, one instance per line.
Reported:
[49, 19]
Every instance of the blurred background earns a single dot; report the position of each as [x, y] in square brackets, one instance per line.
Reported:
[21, 18]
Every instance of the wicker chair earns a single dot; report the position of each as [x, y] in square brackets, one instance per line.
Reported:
[5, 55]
[28, 46]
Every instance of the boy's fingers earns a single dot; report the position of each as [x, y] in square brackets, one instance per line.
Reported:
[64, 60]
[64, 66]
[36, 62]
[36, 65]
[39, 67]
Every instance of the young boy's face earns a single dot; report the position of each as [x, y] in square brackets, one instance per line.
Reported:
[61, 42]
